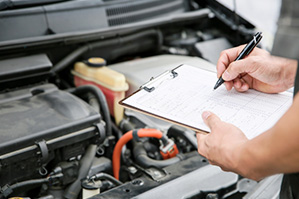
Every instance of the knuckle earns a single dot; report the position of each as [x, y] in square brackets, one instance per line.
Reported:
[232, 66]
[213, 122]
[223, 53]
[201, 149]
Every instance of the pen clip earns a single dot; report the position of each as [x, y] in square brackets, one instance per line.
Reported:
[256, 39]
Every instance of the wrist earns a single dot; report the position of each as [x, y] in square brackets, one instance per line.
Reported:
[248, 161]
[289, 68]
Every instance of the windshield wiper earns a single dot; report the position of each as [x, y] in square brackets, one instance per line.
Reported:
[13, 4]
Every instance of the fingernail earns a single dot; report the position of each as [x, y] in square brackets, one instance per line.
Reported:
[206, 114]
[244, 87]
[226, 75]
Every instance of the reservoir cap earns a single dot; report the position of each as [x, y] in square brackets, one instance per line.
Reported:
[96, 62]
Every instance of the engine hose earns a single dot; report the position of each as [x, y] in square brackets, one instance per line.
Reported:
[7, 190]
[100, 97]
[29, 182]
[74, 189]
[125, 125]
[175, 131]
[142, 158]
[101, 44]
[125, 139]
[118, 134]
[105, 176]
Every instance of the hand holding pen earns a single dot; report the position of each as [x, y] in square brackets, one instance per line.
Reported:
[246, 51]
[259, 70]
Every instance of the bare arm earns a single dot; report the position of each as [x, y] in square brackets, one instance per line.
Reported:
[275, 151]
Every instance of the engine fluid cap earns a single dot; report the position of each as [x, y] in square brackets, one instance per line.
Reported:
[96, 62]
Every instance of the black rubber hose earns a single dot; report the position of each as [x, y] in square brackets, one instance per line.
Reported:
[142, 158]
[29, 182]
[119, 133]
[110, 42]
[100, 97]
[177, 131]
[125, 125]
[74, 189]
[32, 183]
[105, 176]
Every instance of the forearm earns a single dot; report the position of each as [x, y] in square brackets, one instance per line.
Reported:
[275, 151]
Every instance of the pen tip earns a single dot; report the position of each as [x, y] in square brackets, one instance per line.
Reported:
[218, 83]
[216, 86]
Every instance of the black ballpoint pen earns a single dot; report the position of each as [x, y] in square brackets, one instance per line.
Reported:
[246, 51]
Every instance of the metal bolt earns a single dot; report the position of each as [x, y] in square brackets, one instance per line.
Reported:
[137, 182]
[212, 196]
[132, 170]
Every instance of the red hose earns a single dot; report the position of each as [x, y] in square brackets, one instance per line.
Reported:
[126, 138]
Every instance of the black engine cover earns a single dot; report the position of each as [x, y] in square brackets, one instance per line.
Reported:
[40, 123]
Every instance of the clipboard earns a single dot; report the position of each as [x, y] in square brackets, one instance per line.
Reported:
[181, 95]
[149, 87]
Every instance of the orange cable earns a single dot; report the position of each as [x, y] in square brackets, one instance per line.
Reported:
[124, 140]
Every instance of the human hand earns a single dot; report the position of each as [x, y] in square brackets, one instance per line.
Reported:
[223, 145]
[259, 71]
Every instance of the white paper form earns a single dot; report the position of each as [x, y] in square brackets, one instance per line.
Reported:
[184, 98]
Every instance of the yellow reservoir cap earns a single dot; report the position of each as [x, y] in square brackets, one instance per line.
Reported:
[96, 62]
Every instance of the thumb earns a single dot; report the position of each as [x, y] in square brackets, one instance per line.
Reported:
[210, 119]
[235, 69]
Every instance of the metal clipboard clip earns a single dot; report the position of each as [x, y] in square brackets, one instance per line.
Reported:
[154, 82]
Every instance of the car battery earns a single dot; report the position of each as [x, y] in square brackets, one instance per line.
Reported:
[39, 123]
[112, 83]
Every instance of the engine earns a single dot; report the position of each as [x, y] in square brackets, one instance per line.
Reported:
[79, 142]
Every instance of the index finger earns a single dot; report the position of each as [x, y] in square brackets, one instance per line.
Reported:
[226, 57]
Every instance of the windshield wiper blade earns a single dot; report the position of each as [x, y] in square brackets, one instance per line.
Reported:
[12, 4]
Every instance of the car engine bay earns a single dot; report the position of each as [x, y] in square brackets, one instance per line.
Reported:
[64, 65]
